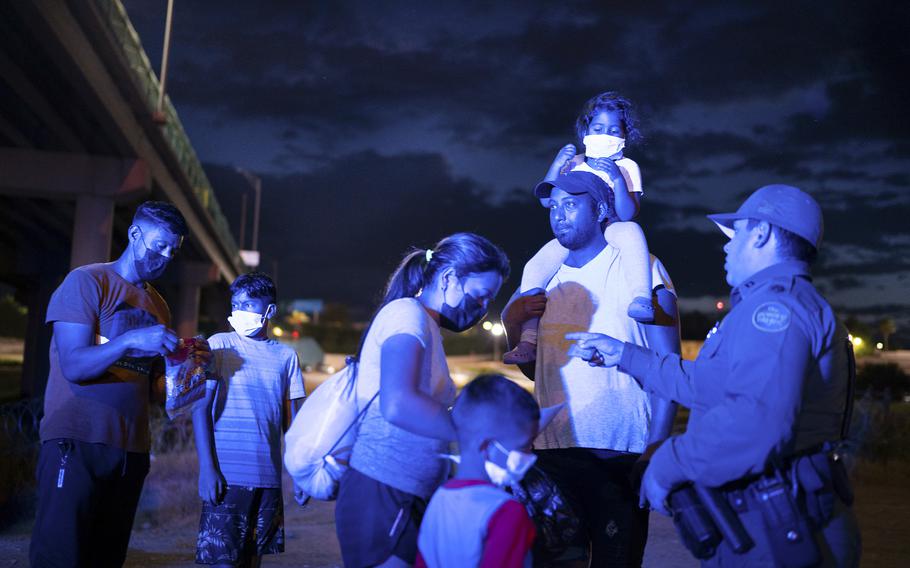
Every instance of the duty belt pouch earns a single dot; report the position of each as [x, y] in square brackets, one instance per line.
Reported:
[814, 474]
[786, 529]
[696, 530]
[840, 479]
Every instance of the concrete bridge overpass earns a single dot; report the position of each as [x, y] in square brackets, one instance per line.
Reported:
[79, 149]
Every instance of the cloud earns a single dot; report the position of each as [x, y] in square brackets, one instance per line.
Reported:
[380, 125]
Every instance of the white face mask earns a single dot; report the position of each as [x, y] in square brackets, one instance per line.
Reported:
[247, 324]
[517, 464]
[603, 145]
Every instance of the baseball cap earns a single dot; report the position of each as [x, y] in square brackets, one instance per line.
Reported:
[575, 182]
[786, 206]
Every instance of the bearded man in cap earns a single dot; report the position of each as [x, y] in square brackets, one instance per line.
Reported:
[769, 394]
[595, 449]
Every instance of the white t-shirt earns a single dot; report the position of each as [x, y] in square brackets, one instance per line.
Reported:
[606, 408]
[406, 461]
[630, 171]
[254, 379]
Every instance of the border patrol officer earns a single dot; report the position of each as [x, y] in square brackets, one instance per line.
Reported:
[767, 392]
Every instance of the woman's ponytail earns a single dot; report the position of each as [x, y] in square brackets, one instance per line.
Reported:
[409, 278]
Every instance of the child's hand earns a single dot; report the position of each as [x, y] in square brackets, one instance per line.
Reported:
[212, 485]
[565, 154]
[606, 165]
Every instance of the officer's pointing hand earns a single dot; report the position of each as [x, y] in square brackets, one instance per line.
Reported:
[596, 348]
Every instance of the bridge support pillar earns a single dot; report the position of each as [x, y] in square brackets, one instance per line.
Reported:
[35, 362]
[192, 276]
[92, 230]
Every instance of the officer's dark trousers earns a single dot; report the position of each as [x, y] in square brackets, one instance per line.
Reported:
[598, 485]
[85, 514]
[839, 542]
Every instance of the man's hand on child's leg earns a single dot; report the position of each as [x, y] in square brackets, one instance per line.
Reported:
[530, 304]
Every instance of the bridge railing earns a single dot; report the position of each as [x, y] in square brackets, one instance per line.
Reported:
[147, 81]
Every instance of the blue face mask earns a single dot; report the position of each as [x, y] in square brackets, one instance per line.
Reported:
[463, 316]
[151, 265]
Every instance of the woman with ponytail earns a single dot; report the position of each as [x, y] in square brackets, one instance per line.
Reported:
[396, 463]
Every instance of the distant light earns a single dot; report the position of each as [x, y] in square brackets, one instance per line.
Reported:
[487, 325]
[277, 331]
[496, 329]
[850, 337]
[295, 334]
[857, 341]
[879, 345]
[719, 305]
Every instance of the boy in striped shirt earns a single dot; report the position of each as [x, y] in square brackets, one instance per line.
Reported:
[238, 431]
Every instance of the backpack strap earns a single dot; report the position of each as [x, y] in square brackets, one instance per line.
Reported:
[352, 361]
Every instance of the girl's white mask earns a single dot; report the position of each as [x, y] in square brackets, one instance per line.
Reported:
[603, 145]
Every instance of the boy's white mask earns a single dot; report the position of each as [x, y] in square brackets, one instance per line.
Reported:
[245, 323]
[603, 145]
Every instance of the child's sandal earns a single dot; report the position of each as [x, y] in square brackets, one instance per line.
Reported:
[641, 310]
[524, 352]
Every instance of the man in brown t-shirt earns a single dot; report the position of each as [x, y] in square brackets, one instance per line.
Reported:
[109, 325]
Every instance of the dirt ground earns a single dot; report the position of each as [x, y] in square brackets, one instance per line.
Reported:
[310, 542]
[164, 534]
[882, 505]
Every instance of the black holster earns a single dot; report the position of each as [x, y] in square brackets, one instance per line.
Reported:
[696, 529]
[704, 518]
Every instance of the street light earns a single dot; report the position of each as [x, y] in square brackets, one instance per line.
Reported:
[495, 329]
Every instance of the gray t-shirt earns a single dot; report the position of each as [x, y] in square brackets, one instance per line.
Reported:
[254, 379]
[606, 408]
[404, 460]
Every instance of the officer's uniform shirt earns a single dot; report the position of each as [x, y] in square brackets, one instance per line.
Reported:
[769, 381]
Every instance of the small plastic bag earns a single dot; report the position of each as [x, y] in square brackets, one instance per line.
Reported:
[185, 375]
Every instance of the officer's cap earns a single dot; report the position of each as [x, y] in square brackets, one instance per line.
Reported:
[786, 206]
[575, 182]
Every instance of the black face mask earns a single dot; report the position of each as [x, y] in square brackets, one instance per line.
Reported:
[152, 265]
[465, 315]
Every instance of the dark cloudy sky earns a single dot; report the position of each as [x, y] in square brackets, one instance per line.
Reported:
[377, 125]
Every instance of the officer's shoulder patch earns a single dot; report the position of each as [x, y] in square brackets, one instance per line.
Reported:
[771, 317]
